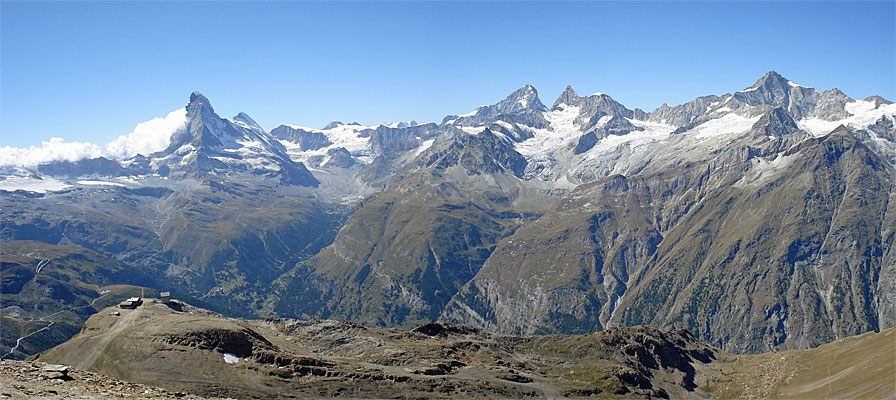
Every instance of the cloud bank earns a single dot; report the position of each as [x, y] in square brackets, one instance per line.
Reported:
[146, 138]
[56, 149]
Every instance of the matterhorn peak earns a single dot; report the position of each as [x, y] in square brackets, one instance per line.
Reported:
[198, 98]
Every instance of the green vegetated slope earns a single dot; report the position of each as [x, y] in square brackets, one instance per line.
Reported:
[53, 287]
[231, 241]
[223, 242]
[793, 258]
[402, 256]
[751, 258]
[856, 367]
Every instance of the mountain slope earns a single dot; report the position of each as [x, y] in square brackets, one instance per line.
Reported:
[788, 245]
[48, 291]
[402, 255]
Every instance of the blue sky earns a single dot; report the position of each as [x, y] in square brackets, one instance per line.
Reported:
[89, 71]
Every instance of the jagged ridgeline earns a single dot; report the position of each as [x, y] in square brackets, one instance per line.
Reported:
[759, 220]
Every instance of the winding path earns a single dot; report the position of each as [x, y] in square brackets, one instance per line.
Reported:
[43, 319]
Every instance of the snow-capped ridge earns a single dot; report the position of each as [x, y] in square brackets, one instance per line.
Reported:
[861, 115]
[246, 121]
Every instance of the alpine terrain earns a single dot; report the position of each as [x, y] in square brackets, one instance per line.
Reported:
[758, 220]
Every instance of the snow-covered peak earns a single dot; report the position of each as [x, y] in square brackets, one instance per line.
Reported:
[522, 101]
[242, 119]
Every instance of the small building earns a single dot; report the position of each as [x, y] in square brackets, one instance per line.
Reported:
[165, 296]
[131, 303]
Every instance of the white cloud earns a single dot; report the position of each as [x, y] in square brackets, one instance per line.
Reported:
[56, 149]
[147, 138]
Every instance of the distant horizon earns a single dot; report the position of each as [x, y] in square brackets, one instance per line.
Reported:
[90, 72]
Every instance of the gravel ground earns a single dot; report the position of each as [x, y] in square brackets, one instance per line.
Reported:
[23, 380]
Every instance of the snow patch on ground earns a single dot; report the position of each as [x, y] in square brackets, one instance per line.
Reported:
[29, 184]
[98, 183]
[423, 146]
[763, 171]
[729, 123]
[473, 130]
[469, 114]
[862, 115]
[562, 130]
[231, 358]
[347, 136]
[653, 132]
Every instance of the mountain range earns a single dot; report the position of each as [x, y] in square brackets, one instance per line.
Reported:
[758, 220]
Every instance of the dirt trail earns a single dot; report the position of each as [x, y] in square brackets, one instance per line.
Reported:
[120, 324]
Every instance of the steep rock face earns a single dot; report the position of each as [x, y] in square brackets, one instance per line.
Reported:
[794, 255]
[483, 153]
[565, 271]
[340, 158]
[305, 139]
[388, 141]
[790, 245]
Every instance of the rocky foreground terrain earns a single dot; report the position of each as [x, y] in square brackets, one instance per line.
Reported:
[190, 352]
[31, 380]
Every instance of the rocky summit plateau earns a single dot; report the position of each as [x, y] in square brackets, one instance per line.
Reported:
[175, 348]
[756, 221]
